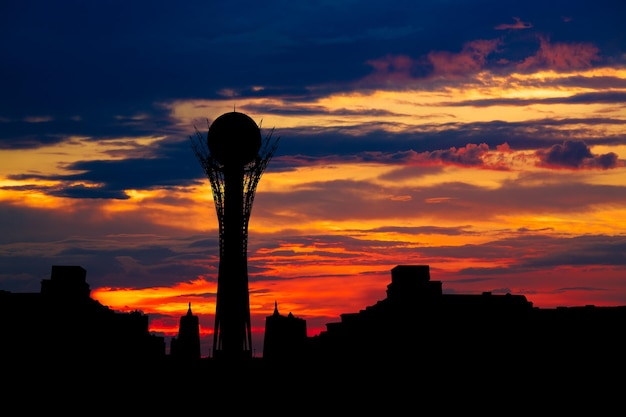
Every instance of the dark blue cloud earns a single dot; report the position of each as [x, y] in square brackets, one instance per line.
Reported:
[583, 250]
[91, 122]
[174, 164]
[63, 57]
[576, 154]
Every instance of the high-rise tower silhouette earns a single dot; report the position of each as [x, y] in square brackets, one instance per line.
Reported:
[234, 160]
[186, 347]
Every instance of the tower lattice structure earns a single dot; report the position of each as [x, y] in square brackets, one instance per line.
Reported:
[233, 156]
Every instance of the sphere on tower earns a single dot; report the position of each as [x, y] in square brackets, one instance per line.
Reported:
[234, 139]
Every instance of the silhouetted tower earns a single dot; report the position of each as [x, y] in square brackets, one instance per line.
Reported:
[187, 346]
[234, 163]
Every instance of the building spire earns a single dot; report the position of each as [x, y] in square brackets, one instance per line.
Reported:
[276, 308]
[189, 311]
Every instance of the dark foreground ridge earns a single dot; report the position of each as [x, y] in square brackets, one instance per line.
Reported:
[416, 347]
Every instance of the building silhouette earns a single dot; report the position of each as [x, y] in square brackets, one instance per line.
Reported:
[285, 337]
[414, 323]
[234, 159]
[417, 347]
[63, 324]
[417, 322]
[417, 319]
[186, 347]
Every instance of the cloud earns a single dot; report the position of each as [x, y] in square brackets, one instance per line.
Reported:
[392, 69]
[471, 58]
[548, 251]
[517, 25]
[575, 155]
[561, 56]
[82, 191]
[582, 250]
[89, 122]
[423, 230]
[605, 97]
[167, 164]
[470, 155]
[401, 70]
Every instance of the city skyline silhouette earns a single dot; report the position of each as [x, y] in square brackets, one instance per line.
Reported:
[491, 152]
[444, 343]
[484, 141]
[234, 156]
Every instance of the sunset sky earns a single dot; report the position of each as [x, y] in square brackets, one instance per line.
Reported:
[486, 139]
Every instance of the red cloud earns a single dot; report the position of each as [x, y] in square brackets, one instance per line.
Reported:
[517, 25]
[402, 69]
[398, 69]
[562, 56]
[471, 154]
[471, 58]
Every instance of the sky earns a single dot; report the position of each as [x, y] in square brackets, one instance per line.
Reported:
[485, 139]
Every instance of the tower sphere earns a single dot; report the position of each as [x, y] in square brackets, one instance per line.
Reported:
[234, 139]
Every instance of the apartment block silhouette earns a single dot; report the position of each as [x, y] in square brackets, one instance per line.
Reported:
[62, 323]
[417, 322]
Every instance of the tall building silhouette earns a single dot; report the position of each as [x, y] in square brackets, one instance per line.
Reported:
[186, 346]
[234, 162]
